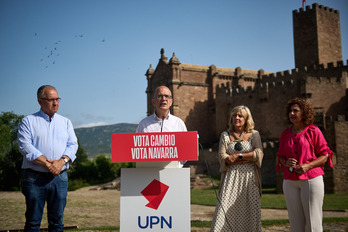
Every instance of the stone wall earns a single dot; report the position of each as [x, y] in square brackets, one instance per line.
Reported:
[317, 35]
[206, 109]
[340, 169]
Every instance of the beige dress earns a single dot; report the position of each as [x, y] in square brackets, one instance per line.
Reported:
[239, 205]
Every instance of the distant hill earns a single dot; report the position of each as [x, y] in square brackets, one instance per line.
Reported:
[97, 140]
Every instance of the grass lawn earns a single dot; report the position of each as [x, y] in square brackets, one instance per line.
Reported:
[269, 199]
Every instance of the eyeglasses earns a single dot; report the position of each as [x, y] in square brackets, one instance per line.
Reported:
[52, 99]
[160, 96]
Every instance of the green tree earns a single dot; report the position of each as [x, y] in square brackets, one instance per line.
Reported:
[104, 167]
[81, 155]
[82, 168]
[83, 171]
[5, 141]
[10, 157]
[117, 167]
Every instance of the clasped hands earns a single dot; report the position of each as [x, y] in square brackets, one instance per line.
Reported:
[55, 166]
[299, 168]
[233, 159]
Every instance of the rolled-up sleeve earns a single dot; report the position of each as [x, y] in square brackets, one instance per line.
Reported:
[320, 145]
[25, 141]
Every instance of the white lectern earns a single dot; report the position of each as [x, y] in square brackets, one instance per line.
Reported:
[155, 196]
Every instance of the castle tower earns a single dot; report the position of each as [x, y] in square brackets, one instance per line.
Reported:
[317, 36]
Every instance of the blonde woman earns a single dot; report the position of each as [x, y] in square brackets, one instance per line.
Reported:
[240, 157]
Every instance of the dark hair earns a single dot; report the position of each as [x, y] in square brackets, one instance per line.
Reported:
[41, 90]
[305, 106]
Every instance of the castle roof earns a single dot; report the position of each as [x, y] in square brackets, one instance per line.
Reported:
[150, 71]
[174, 59]
[222, 71]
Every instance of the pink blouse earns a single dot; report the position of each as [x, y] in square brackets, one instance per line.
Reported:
[305, 147]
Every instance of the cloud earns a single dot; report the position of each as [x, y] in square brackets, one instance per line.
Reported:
[92, 124]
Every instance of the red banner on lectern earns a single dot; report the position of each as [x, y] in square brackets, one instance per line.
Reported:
[157, 146]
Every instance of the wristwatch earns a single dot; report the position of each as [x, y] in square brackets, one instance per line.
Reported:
[65, 160]
[240, 156]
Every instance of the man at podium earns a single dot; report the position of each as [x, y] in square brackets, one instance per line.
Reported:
[161, 121]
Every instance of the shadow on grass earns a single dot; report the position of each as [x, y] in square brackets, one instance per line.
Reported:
[207, 224]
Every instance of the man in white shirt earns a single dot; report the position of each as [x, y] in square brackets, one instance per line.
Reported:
[161, 121]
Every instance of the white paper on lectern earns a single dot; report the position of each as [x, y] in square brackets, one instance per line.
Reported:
[175, 204]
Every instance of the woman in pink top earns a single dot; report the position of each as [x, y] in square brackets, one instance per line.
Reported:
[302, 153]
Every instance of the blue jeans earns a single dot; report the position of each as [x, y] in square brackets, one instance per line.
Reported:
[41, 187]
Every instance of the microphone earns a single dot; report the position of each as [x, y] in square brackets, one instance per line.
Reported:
[162, 123]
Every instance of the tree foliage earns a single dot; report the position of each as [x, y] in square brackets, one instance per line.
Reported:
[10, 157]
[83, 171]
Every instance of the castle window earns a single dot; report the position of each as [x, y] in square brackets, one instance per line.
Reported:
[307, 95]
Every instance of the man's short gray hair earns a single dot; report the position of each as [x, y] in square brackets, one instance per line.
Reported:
[41, 90]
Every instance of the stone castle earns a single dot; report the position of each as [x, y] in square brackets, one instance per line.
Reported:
[203, 96]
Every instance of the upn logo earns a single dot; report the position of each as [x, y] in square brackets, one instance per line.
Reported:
[155, 193]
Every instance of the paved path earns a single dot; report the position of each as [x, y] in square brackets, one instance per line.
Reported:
[205, 213]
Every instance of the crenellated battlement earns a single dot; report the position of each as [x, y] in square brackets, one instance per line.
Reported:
[332, 66]
[293, 73]
[316, 41]
[316, 6]
[283, 81]
[338, 64]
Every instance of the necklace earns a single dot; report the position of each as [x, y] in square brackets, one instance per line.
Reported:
[238, 139]
[238, 146]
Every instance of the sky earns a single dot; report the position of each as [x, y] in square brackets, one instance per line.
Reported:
[96, 52]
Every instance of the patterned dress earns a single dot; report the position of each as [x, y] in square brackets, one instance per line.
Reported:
[238, 208]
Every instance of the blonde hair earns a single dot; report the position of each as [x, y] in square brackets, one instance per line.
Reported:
[249, 122]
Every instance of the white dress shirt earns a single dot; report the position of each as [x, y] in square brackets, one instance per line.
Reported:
[37, 136]
[152, 123]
